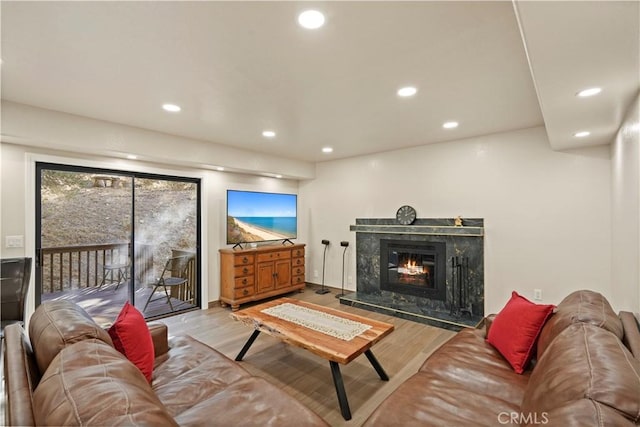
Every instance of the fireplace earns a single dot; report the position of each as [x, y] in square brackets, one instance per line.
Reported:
[413, 268]
[431, 271]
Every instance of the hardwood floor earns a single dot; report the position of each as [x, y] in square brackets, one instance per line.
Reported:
[308, 377]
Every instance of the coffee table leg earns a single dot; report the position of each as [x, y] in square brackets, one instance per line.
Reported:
[342, 395]
[250, 341]
[376, 365]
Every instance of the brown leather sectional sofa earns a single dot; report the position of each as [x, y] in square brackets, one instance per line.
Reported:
[68, 373]
[587, 374]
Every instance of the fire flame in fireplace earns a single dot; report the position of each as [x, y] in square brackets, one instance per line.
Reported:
[411, 268]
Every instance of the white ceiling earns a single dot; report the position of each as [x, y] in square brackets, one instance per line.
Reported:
[576, 45]
[238, 68]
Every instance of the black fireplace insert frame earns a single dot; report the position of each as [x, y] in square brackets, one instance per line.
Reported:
[436, 249]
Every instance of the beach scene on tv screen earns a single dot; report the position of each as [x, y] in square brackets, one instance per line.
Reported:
[258, 217]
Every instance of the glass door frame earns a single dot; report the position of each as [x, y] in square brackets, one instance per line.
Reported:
[40, 165]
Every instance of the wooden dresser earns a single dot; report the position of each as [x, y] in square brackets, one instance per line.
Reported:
[254, 274]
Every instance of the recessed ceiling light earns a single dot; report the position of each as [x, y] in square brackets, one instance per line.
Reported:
[131, 156]
[220, 168]
[407, 91]
[268, 134]
[172, 108]
[311, 19]
[582, 134]
[327, 150]
[278, 176]
[589, 92]
[450, 125]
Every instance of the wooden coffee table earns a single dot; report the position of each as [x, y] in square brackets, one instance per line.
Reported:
[335, 350]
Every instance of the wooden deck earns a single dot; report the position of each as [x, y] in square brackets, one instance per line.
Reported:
[104, 304]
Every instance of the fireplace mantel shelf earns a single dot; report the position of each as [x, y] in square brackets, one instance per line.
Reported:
[428, 230]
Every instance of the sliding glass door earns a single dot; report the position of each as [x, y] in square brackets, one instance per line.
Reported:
[166, 244]
[104, 237]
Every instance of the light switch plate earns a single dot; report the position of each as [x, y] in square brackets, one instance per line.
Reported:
[14, 242]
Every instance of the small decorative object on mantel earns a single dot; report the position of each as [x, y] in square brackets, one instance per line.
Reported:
[457, 221]
[406, 215]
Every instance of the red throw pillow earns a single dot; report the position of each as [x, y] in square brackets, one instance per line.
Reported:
[515, 329]
[131, 337]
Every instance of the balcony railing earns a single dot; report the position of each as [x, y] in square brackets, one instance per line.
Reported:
[75, 267]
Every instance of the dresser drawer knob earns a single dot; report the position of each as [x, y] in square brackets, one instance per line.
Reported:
[245, 260]
[244, 282]
[245, 270]
[245, 292]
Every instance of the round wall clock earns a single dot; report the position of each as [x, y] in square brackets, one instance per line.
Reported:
[406, 215]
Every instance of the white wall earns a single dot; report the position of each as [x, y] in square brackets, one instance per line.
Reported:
[547, 214]
[625, 202]
[16, 205]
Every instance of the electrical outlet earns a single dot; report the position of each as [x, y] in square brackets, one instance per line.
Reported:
[537, 294]
[349, 279]
[315, 274]
[14, 242]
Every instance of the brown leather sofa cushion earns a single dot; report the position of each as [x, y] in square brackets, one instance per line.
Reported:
[91, 383]
[191, 372]
[57, 324]
[426, 400]
[194, 381]
[579, 413]
[464, 382]
[250, 402]
[580, 307]
[585, 362]
[469, 362]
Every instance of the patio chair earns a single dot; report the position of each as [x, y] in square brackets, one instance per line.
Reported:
[117, 270]
[176, 265]
[14, 283]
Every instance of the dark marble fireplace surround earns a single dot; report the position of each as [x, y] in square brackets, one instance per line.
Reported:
[466, 243]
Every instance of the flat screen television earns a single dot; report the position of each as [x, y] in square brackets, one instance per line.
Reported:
[254, 216]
